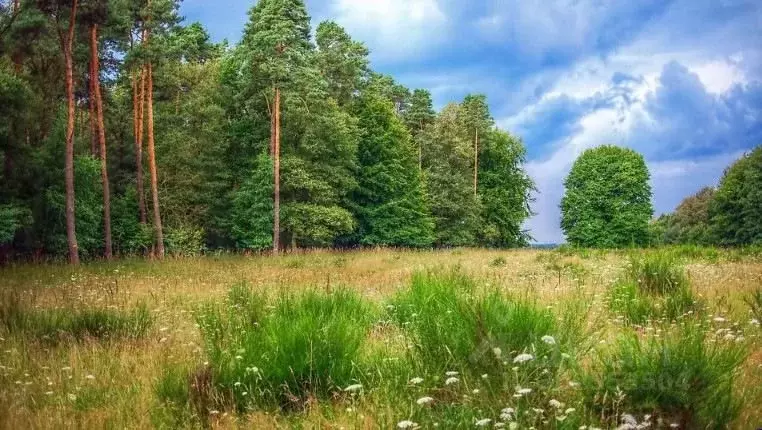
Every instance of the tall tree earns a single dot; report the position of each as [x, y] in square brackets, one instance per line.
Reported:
[447, 167]
[390, 199]
[342, 61]
[277, 39]
[736, 209]
[94, 14]
[607, 203]
[478, 120]
[58, 10]
[418, 116]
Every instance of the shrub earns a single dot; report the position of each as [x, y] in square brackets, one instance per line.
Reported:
[185, 240]
[306, 345]
[678, 378]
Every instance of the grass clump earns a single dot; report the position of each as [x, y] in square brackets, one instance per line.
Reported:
[679, 378]
[57, 324]
[654, 286]
[284, 353]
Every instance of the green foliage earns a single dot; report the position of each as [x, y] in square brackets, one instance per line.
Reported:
[184, 240]
[689, 224]
[252, 214]
[754, 301]
[682, 377]
[654, 287]
[504, 190]
[342, 61]
[12, 219]
[129, 235]
[390, 201]
[305, 345]
[608, 199]
[736, 210]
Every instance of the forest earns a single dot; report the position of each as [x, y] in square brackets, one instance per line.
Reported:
[126, 131]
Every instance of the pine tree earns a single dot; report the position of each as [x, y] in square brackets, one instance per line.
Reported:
[391, 206]
[419, 115]
[342, 61]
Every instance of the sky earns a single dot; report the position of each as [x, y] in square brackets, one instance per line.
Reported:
[680, 81]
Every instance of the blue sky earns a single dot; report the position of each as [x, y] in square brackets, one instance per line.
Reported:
[678, 80]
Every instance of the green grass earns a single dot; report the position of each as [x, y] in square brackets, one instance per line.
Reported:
[77, 323]
[305, 345]
[654, 287]
[680, 378]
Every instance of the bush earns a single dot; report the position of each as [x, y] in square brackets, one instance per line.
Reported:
[306, 345]
[678, 378]
[186, 241]
[654, 286]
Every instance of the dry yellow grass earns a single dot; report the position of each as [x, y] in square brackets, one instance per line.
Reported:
[110, 384]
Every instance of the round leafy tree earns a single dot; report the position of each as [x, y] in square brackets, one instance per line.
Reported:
[736, 210]
[608, 199]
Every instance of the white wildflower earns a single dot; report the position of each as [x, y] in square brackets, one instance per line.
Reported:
[521, 358]
[451, 373]
[451, 380]
[424, 400]
[90, 377]
[406, 424]
[719, 320]
[485, 376]
[497, 351]
[550, 340]
[483, 422]
[523, 391]
[507, 414]
[629, 419]
[569, 410]
[674, 425]
[353, 388]
[555, 404]
[416, 380]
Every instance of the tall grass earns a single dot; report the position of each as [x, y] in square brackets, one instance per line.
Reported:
[680, 378]
[283, 353]
[77, 323]
[653, 287]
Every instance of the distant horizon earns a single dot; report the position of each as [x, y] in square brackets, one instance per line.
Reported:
[678, 80]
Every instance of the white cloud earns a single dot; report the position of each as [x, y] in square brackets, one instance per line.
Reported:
[394, 30]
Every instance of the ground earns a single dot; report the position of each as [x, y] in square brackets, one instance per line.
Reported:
[95, 383]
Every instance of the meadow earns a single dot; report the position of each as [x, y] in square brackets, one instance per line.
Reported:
[460, 338]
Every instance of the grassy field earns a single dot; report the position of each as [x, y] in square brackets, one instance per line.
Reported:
[387, 339]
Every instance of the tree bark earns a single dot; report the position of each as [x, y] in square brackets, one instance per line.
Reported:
[101, 142]
[276, 179]
[152, 167]
[138, 102]
[71, 233]
[91, 102]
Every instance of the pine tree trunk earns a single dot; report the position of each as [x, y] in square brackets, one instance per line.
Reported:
[91, 103]
[138, 102]
[152, 167]
[71, 233]
[17, 57]
[276, 183]
[476, 161]
[101, 142]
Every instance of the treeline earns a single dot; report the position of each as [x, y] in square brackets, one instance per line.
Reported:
[727, 215]
[126, 132]
[607, 204]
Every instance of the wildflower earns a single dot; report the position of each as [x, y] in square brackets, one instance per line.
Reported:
[483, 422]
[629, 419]
[162, 340]
[424, 400]
[550, 340]
[476, 391]
[72, 397]
[416, 380]
[353, 388]
[451, 380]
[569, 410]
[238, 357]
[214, 412]
[523, 391]
[719, 320]
[485, 376]
[555, 403]
[237, 384]
[48, 393]
[90, 377]
[513, 426]
[507, 414]
[497, 351]
[451, 373]
[521, 358]
[674, 425]
[406, 424]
